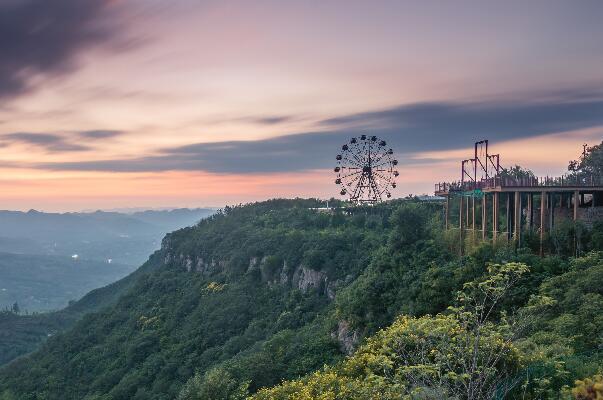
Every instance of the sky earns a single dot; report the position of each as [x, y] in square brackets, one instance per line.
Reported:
[145, 103]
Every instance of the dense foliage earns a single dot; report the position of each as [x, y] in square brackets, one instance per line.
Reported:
[537, 352]
[459, 354]
[590, 164]
[276, 290]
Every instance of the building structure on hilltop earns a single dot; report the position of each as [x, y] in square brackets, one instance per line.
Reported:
[495, 204]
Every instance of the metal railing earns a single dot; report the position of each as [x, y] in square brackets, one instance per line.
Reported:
[501, 182]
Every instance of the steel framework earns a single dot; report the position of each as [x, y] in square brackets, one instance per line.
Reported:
[481, 166]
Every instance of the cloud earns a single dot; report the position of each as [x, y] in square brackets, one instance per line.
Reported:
[52, 142]
[273, 120]
[41, 37]
[48, 141]
[99, 134]
[255, 119]
[408, 129]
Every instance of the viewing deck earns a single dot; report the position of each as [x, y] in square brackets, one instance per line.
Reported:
[518, 198]
[507, 206]
[530, 184]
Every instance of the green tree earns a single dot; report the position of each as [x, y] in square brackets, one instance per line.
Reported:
[591, 163]
[517, 172]
[410, 224]
[7, 395]
[215, 384]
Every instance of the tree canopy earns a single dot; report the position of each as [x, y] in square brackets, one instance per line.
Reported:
[591, 163]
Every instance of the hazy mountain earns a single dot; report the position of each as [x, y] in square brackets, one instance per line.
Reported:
[124, 238]
[47, 259]
[43, 282]
[171, 219]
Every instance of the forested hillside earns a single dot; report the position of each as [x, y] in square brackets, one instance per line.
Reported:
[21, 334]
[277, 290]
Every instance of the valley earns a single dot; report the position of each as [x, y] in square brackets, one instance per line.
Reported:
[276, 290]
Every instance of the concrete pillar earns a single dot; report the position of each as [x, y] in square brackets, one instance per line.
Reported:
[508, 215]
[530, 211]
[484, 216]
[461, 204]
[543, 198]
[495, 200]
[551, 204]
[473, 215]
[517, 217]
[576, 194]
[447, 211]
[467, 213]
[461, 225]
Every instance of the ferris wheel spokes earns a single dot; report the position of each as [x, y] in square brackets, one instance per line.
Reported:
[366, 169]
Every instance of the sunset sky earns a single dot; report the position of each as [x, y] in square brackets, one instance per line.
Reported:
[149, 103]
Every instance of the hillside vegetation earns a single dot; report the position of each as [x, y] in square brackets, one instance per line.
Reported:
[20, 334]
[275, 291]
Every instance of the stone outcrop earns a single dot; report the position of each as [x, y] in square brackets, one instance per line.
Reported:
[254, 262]
[330, 290]
[284, 276]
[193, 264]
[347, 337]
[306, 278]
[302, 277]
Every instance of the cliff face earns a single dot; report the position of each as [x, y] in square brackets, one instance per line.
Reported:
[346, 336]
[306, 278]
[301, 277]
[272, 269]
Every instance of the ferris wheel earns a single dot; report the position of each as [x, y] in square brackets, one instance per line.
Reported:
[366, 170]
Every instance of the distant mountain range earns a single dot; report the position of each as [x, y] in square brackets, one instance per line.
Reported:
[43, 283]
[48, 259]
[123, 238]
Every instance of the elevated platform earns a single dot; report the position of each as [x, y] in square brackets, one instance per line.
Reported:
[486, 199]
[523, 185]
[526, 204]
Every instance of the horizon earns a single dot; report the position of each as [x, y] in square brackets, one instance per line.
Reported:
[134, 103]
[125, 210]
